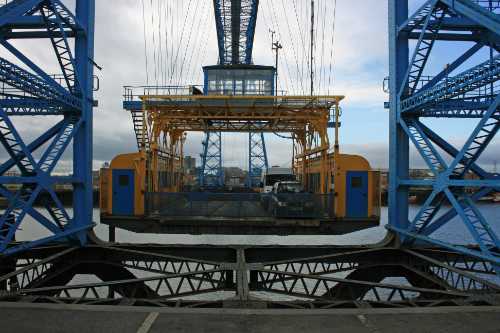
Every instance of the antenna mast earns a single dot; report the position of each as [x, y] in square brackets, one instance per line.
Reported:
[275, 46]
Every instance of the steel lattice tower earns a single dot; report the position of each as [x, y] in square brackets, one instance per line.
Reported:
[28, 90]
[419, 93]
[212, 174]
[257, 161]
[235, 22]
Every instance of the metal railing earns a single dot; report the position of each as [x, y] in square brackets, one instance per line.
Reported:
[132, 93]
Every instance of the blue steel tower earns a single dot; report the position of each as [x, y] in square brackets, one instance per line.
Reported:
[26, 177]
[466, 88]
[235, 22]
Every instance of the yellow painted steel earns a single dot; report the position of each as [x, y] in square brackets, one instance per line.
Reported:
[168, 118]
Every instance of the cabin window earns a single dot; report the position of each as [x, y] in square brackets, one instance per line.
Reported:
[356, 182]
[123, 180]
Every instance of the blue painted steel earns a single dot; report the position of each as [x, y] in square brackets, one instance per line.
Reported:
[14, 9]
[22, 82]
[34, 92]
[250, 33]
[357, 194]
[220, 30]
[37, 143]
[48, 79]
[235, 22]
[454, 65]
[211, 172]
[473, 93]
[477, 12]
[55, 15]
[123, 192]
[398, 141]
[257, 162]
[82, 143]
[465, 82]
[30, 107]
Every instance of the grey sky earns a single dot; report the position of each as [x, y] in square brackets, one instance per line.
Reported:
[359, 66]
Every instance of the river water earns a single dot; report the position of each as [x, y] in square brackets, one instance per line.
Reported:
[454, 232]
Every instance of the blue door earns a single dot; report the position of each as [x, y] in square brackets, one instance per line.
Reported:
[123, 192]
[357, 194]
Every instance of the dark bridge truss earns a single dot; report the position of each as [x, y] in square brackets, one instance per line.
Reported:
[268, 276]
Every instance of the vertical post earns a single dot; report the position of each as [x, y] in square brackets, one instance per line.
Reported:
[336, 151]
[112, 234]
[276, 46]
[221, 171]
[249, 177]
[398, 140]
[312, 47]
[336, 146]
[82, 143]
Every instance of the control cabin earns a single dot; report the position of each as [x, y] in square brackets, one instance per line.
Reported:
[355, 185]
[234, 80]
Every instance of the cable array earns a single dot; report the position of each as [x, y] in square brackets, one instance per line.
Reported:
[176, 36]
[291, 22]
[180, 37]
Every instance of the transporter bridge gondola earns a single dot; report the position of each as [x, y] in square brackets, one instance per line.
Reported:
[143, 191]
[146, 191]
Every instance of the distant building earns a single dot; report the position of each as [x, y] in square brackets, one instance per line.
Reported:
[234, 181]
[235, 176]
[189, 165]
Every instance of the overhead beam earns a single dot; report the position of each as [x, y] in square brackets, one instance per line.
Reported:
[476, 13]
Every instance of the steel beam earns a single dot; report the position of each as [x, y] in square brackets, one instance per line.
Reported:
[398, 139]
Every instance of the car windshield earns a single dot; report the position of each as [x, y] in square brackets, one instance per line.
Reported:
[272, 179]
[290, 188]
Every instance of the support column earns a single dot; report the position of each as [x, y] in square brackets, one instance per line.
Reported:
[398, 140]
[82, 143]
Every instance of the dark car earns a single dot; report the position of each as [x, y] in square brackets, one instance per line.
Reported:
[289, 200]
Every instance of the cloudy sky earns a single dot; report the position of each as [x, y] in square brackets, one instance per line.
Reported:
[167, 42]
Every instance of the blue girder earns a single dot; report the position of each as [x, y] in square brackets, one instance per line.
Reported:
[465, 82]
[476, 11]
[470, 94]
[211, 172]
[257, 162]
[235, 21]
[55, 16]
[456, 108]
[423, 48]
[15, 9]
[37, 143]
[30, 107]
[23, 82]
